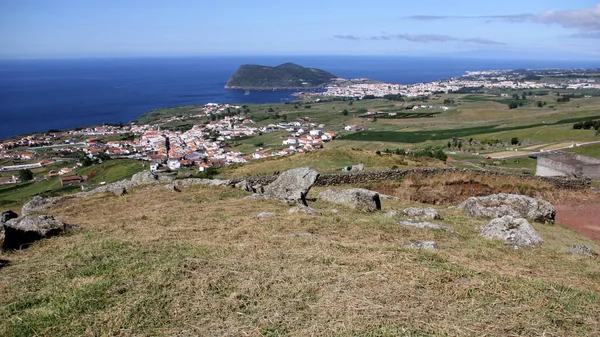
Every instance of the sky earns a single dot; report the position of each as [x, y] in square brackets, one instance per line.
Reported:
[150, 28]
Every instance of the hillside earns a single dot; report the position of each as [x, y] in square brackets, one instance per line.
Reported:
[200, 262]
[284, 76]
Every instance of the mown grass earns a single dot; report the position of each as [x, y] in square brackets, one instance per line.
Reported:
[199, 263]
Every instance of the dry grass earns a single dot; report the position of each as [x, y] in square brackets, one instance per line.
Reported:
[156, 262]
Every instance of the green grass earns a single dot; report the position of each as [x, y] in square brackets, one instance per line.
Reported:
[443, 134]
[112, 170]
[588, 150]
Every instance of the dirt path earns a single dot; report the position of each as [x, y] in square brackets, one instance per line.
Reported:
[581, 216]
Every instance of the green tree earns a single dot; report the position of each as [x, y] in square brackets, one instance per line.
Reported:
[25, 175]
[345, 112]
[514, 141]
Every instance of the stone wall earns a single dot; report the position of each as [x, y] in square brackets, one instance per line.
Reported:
[365, 177]
[567, 164]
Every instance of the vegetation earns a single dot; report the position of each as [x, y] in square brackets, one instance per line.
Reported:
[287, 75]
[25, 175]
[155, 262]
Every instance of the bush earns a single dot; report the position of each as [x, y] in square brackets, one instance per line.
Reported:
[25, 175]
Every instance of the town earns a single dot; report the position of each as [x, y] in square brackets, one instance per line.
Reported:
[200, 147]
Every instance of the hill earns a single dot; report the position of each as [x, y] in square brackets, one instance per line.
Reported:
[199, 262]
[284, 76]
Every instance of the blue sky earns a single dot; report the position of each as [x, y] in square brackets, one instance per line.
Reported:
[132, 28]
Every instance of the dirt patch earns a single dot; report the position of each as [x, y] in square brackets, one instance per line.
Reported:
[582, 216]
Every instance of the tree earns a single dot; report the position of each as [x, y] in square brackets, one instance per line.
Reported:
[271, 110]
[345, 112]
[513, 105]
[25, 175]
[514, 141]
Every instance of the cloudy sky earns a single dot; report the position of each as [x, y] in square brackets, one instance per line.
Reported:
[546, 29]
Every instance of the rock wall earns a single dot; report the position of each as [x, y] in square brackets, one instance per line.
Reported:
[365, 177]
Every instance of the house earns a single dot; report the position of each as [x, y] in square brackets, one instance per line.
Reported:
[173, 164]
[70, 180]
[203, 167]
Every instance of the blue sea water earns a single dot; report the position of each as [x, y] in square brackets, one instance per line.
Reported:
[38, 95]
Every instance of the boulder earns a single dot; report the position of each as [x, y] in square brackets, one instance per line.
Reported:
[515, 205]
[427, 213]
[7, 215]
[37, 204]
[516, 232]
[144, 178]
[582, 250]
[424, 245]
[358, 198]
[21, 232]
[424, 225]
[292, 186]
[198, 181]
[243, 185]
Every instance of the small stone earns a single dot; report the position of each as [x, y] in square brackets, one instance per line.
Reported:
[304, 234]
[424, 245]
[391, 214]
[582, 250]
[265, 214]
[119, 192]
[424, 225]
[427, 213]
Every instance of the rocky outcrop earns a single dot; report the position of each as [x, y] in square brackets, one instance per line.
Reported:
[144, 177]
[427, 213]
[515, 205]
[292, 186]
[582, 250]
[37, 204]
[357, 198]
[424, 225]
[198, 181]
[515, 232]
[424, 245]
[7, 215]
[21, 232]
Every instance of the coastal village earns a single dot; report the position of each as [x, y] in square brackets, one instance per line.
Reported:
[205, 145]
[200, 147]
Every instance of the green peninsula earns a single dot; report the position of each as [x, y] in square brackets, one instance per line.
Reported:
[284, 76]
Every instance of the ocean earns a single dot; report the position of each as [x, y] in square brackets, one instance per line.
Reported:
[39, 95]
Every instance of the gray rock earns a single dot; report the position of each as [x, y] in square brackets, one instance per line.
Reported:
[424, 245]
[516, 232]
[166, 178]
[265, 214]
[391, 214]
[7, 215]
[583, 250]
[198, 181]
[358, 167]
[119, 192]
[304, 209]
[424, 225]
[358, 198]
[292, 186]
[37, 204]
[515, 205]
[427, 213]
[21, 232]
[172, 187]
[244, 185]
[144, 178]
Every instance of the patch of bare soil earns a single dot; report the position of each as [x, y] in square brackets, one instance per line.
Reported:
[583, 216]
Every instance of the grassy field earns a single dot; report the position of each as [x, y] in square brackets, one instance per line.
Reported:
[328, 161]
[168, 269]
[13, 196]
[588, 150]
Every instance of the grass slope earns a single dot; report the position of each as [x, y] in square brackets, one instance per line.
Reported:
[327, 161]
[198, 263]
